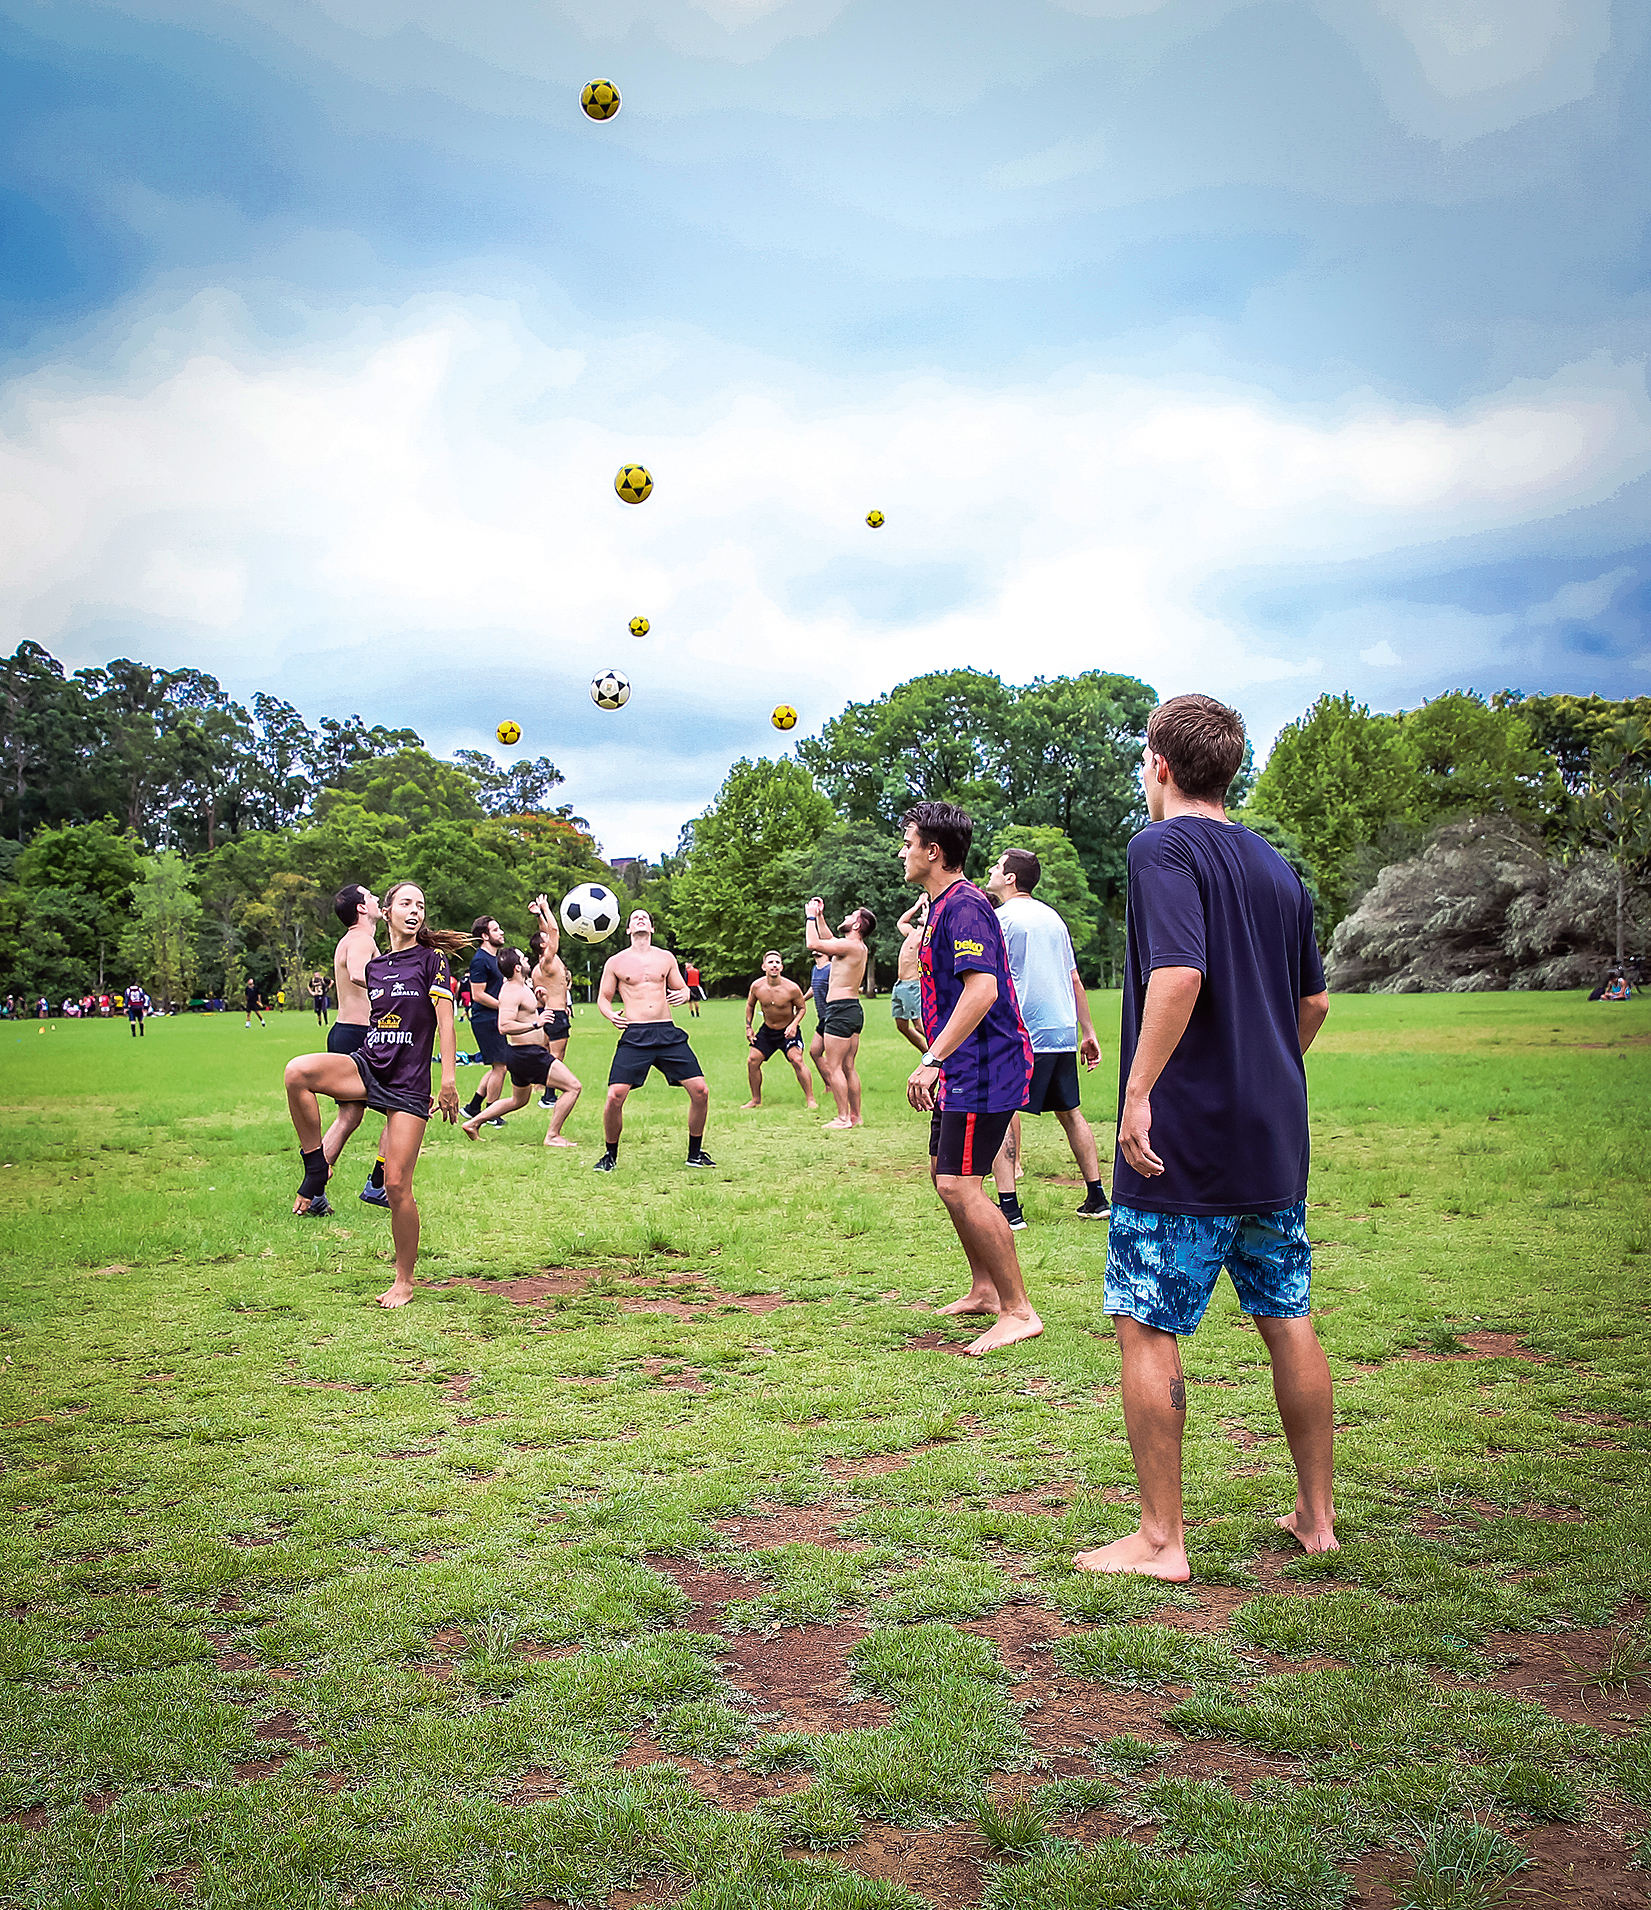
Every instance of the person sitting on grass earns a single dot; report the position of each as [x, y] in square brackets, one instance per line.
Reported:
[410, 991]
[1223, 994]
[526, 1029]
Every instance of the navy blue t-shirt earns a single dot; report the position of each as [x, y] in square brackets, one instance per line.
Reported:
[1229, 1112]
[485, 972]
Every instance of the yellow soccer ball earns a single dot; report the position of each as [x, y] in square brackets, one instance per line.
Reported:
[600, 99]
[639, 626]
[509, 733]
[633, 483]
[784, 717]
[875, 519]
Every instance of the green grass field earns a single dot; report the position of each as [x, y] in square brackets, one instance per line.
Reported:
[684, 1576]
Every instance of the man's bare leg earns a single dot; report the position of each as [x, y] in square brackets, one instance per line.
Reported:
[832, 1067]
[698, 1092]
[1081, 1138]
[995, 1285]
[1306, 1405]
[1155, 1417]
[568, 1087]
[403, 1137]
[851, 1070]
[613, 1113]
[519, 1098]
[337, 1077]
[1006, 1168]
[912, 1032]
[799, 1067]
[753, 1074]
[344, 1124]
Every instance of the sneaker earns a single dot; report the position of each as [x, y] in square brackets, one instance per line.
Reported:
[497, 1121]
[375, 1196]
[1094, 1208]
[548, 1099]
[318, 1209]
[701, 1159]
[604, 1165]
[1010, 1210]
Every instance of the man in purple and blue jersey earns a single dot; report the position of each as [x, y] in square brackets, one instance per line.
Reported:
[973, 1073]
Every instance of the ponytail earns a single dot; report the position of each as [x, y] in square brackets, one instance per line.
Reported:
[448, 941]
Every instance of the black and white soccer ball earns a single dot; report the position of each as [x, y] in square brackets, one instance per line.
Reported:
[610, 690]
[590, 912]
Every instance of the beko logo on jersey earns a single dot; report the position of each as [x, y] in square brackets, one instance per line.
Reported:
[968, 948]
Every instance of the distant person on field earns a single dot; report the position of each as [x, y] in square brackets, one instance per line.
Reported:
[906, 996]
[486, 981]
[783, 1005]
[971, 1078]
[1054, 1006]
[526, 1026]
[318, 998]
[696, 990]
[844, 1018]
[137, 1009]
[1614, 987]
[255, 1004]
[1223, 994]
[649, 985]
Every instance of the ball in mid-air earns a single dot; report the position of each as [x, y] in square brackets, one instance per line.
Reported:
[875, 519]
[639, 626]
[784, 717]
[508, 733]
[633, 483]
[610, 690]
[590, 911]
[600, 99]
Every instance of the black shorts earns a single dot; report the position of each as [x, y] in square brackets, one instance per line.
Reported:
[966, 1144]
[384, 1100]
[768, 1041]
[1054, 1084]
[653, 1044]
[344, 1037]
[490, 1044]
[843, 1018]
[529, 1067]
[697, 992]
[558, 1024]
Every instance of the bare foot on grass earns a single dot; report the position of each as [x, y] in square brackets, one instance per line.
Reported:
[555, 1140]
[758, 1104]
[811, 1106]
[1309, 1536]
[1010, 1328]
[1137, 1553]
[471, 1130]
[976, 1300]
[399, 1294]
[840, 1124]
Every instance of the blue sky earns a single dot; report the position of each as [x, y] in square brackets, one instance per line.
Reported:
[1257, 348]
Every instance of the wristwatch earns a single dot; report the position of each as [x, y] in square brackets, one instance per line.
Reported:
[929, 1060]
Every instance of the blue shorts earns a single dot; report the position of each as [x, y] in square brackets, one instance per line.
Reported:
[1161, 1269]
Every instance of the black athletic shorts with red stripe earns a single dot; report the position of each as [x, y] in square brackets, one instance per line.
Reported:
[966, 1143]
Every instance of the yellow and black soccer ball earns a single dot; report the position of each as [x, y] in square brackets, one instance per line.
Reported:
[875, 519]
[639, 626]
[784, 717]
[633, 483]
[508, 733]
[600, 99]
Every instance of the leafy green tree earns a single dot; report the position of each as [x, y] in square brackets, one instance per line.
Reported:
[517, 789]
[43, 733]
[1335, 778]
[1567, 729]
[1616, 806]
[160, 944]
[410, 787]
[852, 865]
[725, 899]
[1063, 883]
[98, 858]
[1473, 759]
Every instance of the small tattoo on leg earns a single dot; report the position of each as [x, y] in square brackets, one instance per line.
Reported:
[1178, 1394]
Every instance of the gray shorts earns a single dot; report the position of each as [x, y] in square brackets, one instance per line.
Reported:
[906, 1001]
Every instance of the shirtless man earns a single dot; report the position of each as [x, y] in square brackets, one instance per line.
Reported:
[357, 908]
[552, 983]
[844, 1017]
[649, 984]
[526, 1028]
[906, 997]
[783, 1006]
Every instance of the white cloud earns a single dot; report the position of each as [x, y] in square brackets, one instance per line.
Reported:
[1381, 656]
[418, 515]
[1579, 602]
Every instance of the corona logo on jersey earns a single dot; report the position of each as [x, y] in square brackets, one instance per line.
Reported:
[389, 1021]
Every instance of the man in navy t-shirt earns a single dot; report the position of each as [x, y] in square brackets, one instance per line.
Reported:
[486, 981]
[1223, 993]
[972, 1075]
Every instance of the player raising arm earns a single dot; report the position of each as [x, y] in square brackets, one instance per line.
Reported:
[844, 1017]
[524, 1026]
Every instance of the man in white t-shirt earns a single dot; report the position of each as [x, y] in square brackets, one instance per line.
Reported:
[1055, 1009]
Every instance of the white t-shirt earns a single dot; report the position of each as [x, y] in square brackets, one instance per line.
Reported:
[1041, 962]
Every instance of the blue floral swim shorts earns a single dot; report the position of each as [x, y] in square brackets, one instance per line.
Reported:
[1161, 1269]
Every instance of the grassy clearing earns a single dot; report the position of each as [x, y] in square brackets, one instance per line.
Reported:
[306, 1603]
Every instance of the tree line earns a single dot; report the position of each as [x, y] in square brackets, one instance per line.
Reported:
[153, 828]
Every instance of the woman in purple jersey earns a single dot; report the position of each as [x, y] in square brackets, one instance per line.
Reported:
[410, 998]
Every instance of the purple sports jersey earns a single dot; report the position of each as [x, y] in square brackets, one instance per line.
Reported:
[989, 1073]
[403, 989]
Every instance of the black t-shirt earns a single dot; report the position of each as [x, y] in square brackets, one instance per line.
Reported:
[1229, 1112]
[485, 973]
[402, 990]
[252, 994]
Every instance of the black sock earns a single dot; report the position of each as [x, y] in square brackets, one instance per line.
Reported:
[611, 1151]
[474, 1105]
[1008, 1200]
[377, 1178]
[315, 1173]
[694, 1141]
[1096, 1190]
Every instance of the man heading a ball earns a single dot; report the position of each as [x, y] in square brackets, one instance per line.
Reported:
[648, 984]
[844, 1018]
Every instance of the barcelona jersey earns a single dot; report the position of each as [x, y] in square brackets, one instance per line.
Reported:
[989, 1072]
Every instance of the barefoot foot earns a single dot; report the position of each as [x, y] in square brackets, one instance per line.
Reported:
[1309, 1536]
[1010, 1328]
[1138, 1554]
[976, 1300]
[471, 1130]
[750, 1104]
[399, 1294]
[811, 1106]
[839, 1124]
[555, 1140]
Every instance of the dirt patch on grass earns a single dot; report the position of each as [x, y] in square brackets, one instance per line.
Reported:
[872, 1466]
[554, 1283]
[803, 1673]
[1041, 1501]
[1483, 1346]
[34, 1818]
[768, 1524]
[228, 1657]
[1573, 1867]
[685, 1379]
[725, 1784]
[942, 1866]
[534, 1787]
[283, 1728]
[940, 1341]
[709, 1588]
[1551, 1671]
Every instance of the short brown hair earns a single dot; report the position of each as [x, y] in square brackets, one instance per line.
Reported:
[1202, 741]
[865, 924]
[1024, 867]
[481, 925]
